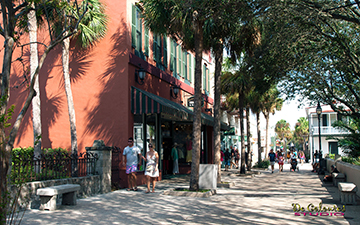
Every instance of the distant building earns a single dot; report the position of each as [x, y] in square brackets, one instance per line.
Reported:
[327, 118]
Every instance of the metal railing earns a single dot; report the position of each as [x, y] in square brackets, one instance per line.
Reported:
[56, 165]
[329, 131]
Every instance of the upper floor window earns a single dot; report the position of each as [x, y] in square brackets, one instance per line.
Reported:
[205, 79]
[136, 31]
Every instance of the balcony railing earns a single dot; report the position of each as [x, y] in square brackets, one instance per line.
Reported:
[329, 131]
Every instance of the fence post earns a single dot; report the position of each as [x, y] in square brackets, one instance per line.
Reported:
[103, 164]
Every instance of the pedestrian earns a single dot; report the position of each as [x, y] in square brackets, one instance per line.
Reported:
[281, 161]
[175, 158]
[302, 157]
[227, 157]
[151, 171]
[232, 158]
[237, 157]
[221, 158]
[272, 157]
[329, 178]
[130, 156]
[316, 161]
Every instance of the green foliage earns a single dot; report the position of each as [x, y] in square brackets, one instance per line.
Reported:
[350, 141]
[332, 156]
[23, 169]
[355, 161]
[263, 164]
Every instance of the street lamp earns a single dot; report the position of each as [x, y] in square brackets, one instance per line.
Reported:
[318, 112]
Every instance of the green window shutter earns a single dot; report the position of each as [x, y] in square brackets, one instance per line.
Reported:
[190, 67]
[165, 52]
[193, 70]
[146, 41]
[172, 55]
[174, 60]
[155, 46]
[133, 27]
[185, 64]
[204, 77]
[138, 31]
[179, 60]
[208, 79]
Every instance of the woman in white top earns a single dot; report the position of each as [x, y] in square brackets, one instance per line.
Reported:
[151, 170]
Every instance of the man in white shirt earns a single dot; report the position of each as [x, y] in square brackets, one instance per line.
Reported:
[130, 154]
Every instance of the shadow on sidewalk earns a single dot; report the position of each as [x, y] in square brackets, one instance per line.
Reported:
[352, 211]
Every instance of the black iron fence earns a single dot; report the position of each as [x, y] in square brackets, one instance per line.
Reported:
[116, 160]
[56, 165]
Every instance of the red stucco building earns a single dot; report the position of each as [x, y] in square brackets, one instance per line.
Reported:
[110, 104]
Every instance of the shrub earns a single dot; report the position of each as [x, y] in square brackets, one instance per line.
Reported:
[262, 164]
[355, 161]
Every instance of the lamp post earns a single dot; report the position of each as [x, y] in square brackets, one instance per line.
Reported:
[312, 144]
[318, 112]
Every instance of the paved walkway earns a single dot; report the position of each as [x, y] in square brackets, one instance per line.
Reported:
[263, 199]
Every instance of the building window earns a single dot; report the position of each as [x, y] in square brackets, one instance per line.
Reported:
[191, 67]
[184, 64]
[324, 120]
[165, 60]
[204, 81]
[173, 56]
[179, 60]
[147, 41]
[136, 31]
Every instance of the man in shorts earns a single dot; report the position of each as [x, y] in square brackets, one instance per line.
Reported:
[130, 155]
[272, 157]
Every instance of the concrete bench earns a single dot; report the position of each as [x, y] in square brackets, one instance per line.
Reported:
[347, 192]
[338, 177]
[48, 195]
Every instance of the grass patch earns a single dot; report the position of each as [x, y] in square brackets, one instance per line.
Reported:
[187, 189]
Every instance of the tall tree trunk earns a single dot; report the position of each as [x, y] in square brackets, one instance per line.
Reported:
[194, 176]
[69, 97]
[241, 114]
[248, 131]
[217, 112]
[267, 115]
[34, 60]
[4, 151]
[259, 136]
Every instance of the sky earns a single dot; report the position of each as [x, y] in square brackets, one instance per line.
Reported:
[289, 112]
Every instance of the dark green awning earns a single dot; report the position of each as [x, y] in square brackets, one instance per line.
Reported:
[146, 102]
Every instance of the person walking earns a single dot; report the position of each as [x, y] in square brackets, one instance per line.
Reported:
[281, 161]
[302, 157]
[175, 158]
[227, 157]
[130, 156]
[151, 171]
[272, 157]
[232, 162]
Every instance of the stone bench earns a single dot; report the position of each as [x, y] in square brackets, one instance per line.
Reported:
[338, 177]
[347, 192]
[48, 195]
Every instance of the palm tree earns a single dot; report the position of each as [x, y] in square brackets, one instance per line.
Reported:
[302, 131]
[282, 129]
[270, 102]
[92, 28]
[237, 83]
[34, 61]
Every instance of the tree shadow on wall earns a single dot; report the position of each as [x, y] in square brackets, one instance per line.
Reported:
[103, 121]
[53, 104]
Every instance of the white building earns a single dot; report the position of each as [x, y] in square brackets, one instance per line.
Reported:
[327, 118]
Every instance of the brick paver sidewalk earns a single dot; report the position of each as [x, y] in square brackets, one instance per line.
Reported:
[263, 199]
